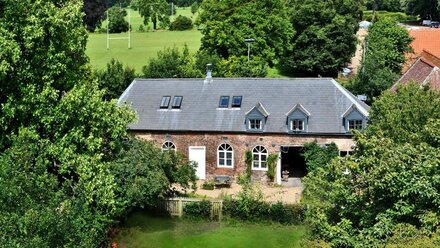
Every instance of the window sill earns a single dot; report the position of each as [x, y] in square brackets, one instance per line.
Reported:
[259, 169]
[225, 166]
[228, 108]
[170, 110]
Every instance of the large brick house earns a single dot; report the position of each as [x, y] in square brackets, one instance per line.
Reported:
[214, 122]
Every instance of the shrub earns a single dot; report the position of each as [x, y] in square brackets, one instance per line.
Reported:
[271, 164]
[208, 185]
[197, 210]
[240, 67]
[117, 22]
[181, 23]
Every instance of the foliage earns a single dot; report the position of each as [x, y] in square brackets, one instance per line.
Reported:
[181, 23]
[117, 22]
[59, 138]
[171, 63]
[197, 210]
[317, 156]
[229, 23]
[397, 16]
[393, 177]
[248, 159]
[93, 13]
[240, 67]
[194, 7]
[208, 185]
[426, 9]
[250, 206]
[271, 165]
[388, 5]
[154, 10]
[325, 36]
[115, 79]
[386, 44]
[144, 174]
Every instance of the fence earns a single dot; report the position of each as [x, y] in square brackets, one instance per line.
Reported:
[175, 206]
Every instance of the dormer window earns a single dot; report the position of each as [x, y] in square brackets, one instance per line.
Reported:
[354, 119]
[355, 125]
[256, 118]
[255, 124]
[224, 102]
[177, 102]
[297, 124]
[165, 102]
[297, 119]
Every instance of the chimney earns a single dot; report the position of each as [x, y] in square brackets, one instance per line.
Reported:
[208, 78]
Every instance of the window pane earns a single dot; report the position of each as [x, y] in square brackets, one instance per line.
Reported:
[164, 103]
[224, 102]
[229, 155]
[229, 162]
[236, 101]
[177, 101]
[221, 155]
[221, 161]
[263, 165]
[255, 164]
[263, 157]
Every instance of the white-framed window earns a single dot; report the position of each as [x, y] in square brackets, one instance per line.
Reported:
[168, 146]
[255, 124]
[225, 156]
[345, 153]
[259, 154]
[297, 125]
[355, 125]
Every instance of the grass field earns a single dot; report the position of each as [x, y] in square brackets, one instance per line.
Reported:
[144, 45]
[145, 231]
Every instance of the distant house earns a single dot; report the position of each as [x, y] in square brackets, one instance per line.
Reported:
[424, 71]
[214, 122]
[426, 40]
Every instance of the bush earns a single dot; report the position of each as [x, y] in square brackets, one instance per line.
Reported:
[240, 67]
[208, 185]
[289, 213]
[197, 210]
[117, 22]
[181, 23]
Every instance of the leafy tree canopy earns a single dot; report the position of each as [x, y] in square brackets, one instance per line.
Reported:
[426, 9]
[117, 22]
[154, 10]
[386, 45]
[393, 182]
[94, 11]
[325, 39]
[228, 23]
[114, 79]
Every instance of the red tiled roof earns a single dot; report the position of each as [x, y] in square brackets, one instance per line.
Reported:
[426, 42]
[425, 70]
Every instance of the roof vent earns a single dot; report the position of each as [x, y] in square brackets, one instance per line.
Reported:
[208, 78]
[362, 97]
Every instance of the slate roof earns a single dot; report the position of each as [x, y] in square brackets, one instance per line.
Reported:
[324, 99]
[424, 71]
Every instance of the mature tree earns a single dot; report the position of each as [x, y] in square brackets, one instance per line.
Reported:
[390, 186]
[154, 11]
[171, 63]
[386, 45]
[38, 52]
[94, 11]
[117, 22]
[426, 9]
[58, 137]
[388, 5]
[228, 23]
[114, 79]
[195, 7]
[325, 36]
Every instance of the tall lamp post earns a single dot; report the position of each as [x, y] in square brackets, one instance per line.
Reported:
[248, 42]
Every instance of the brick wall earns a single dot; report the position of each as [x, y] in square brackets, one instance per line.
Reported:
[240, 143]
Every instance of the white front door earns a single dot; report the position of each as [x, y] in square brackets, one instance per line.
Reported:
[198, 155]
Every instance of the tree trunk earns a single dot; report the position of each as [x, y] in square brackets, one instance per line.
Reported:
[154, 20]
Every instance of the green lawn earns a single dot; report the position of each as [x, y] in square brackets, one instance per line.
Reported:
[144, 45]
[142, 230]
